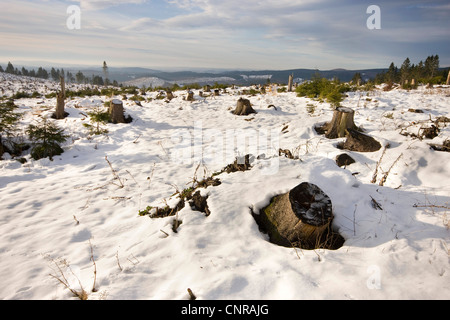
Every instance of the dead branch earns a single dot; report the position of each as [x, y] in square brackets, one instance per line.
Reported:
[95, 266]
[374, 177]
[114, 173]
[383, 180]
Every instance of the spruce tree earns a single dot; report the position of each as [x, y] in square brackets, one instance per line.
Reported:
[8, 122]
[10, 68]
[47, 137]
[405, 70]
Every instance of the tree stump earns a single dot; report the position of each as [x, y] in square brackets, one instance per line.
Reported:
[300, 217]
[342, 121]
[169, 95]
[216, 92]
[290, 82]
[448, 79]
[243, 107]
[60, 97]
[190, 96]
[116, 111]
[357, 141]
[344, 160]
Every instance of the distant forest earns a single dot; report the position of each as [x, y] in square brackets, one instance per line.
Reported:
[427, 72]
[409, 75]
[55, 75]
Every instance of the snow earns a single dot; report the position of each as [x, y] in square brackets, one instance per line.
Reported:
[57, 211]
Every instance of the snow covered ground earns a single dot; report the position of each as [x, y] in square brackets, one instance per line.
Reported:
[55, 215]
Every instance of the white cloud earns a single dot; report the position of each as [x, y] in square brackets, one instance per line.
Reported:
[102, 4]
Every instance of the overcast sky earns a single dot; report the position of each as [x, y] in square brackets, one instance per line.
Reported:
[234, 34]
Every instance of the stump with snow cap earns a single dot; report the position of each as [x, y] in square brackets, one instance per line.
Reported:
[116, 111]
[243, 107]
[342, 121]
[300, 217]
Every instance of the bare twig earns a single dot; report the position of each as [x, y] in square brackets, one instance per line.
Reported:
[95, 267]
[375, 204]
[383, 180]
[61, 277]
[114, 173]
[374, 177]
[430, 206]
[118, 262]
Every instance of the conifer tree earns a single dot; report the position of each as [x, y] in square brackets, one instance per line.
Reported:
[47, 137]
[8, 122]
[10, 68]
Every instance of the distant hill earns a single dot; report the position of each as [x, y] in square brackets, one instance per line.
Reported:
[142, 77]
[151, 77]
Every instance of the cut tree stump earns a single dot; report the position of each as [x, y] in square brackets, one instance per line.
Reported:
[301, 217]
[357, 141]
[243, 107]
[116, 111]
[343, 119]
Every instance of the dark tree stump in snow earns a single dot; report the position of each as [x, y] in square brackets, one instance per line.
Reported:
[198, 203]
[190, 96]
[243, 107]
[357, 141]
[343, 119]
[60, 103]
[344, 160]
[116, 111]
[169, 95]
[300, 217]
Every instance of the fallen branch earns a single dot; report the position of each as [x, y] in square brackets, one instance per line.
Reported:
[375, 204]
[430, 206]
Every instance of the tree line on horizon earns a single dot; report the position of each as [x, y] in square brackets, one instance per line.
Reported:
[425, 72]
[55, 75]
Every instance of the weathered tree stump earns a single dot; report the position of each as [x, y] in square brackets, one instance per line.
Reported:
[60, 97]
[116, 111]
[357, 141]
[190, 96]
[290, 82]
[207, 88]
[169, 95]
[300, 217]
[448, 79]
[199, 203]
[344, 160]
[343, 119]
[216, 92]
[243, 107]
